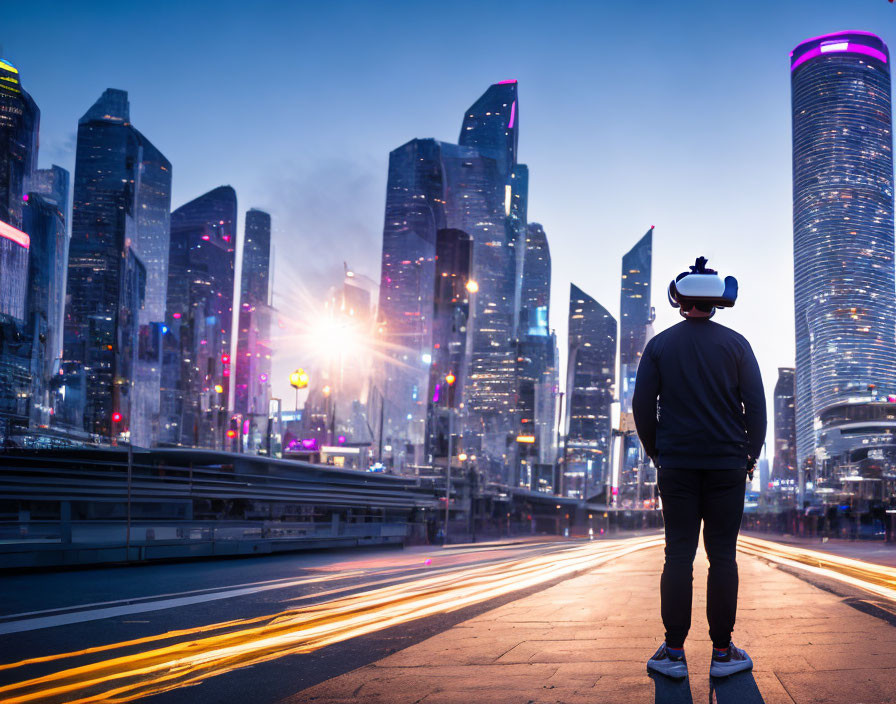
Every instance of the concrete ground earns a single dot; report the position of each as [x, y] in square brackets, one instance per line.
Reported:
[587, 640]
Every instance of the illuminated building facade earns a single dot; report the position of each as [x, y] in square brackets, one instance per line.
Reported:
[476, 187]
[635, 329]
[415, 212]
[196, 356]
[15, 349]
[116, 274]
[253, 352]
[842, 228]
[19, 124]
[536, 371]
[44, 221]
[489, 197]
[784, 466]
[454, 261]
[590, 389]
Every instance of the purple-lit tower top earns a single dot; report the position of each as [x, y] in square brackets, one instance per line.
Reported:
[846, 42]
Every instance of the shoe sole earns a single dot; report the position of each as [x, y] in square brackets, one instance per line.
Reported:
[726, 669]
[677, 670]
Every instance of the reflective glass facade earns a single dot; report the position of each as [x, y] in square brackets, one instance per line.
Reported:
[415, 212]
[842, 227]
[253, 353]
[784, 466]
[116, 274]
[196, 348]
[19, 124]
[590, 390]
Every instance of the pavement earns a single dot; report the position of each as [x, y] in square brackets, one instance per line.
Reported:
[586, 640]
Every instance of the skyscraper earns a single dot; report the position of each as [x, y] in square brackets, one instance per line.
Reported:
[197, 363]
[842, 227]
[415, 211]
[489, 203]
[253, 352]
[784, 466]
[476, 187]
[45, 224]
[535, 357]
[590, 388]
[635, 327]
[636, 314]
[19, 124]
[116, 273]
[19, 120]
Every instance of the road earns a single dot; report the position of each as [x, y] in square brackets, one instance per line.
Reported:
[270, 625]
[261, 629]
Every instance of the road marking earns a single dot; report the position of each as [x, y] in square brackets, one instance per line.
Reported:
[131, 676]
[82, 613]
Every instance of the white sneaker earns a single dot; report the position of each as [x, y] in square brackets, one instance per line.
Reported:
[734, 660]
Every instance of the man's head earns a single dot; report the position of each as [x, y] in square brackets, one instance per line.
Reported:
[698, 292]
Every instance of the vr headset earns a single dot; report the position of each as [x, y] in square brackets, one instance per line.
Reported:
[702, 288]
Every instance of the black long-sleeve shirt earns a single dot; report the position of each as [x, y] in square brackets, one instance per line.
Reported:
[698, 401]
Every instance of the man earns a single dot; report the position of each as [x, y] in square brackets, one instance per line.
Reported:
[699, 409]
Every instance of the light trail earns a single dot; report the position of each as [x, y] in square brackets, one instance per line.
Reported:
[201, 655]
[877, 579]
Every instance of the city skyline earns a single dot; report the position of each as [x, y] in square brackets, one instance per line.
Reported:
[610, 228]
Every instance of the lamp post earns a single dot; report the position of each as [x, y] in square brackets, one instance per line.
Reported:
[298, 380]
[449, 379]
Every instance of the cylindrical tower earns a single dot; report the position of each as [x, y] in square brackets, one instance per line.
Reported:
[842, 226]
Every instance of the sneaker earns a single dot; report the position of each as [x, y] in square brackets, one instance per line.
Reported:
[734, 660]
[667, 664]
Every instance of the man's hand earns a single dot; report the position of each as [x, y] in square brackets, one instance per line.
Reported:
[751, 465]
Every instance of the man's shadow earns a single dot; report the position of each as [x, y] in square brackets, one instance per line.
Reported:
[739, 688]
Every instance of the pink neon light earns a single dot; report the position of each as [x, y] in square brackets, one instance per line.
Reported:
[512, 116]
[510, 80]
[851, 48]
[836, 35]
[17, 236]
[206, 238]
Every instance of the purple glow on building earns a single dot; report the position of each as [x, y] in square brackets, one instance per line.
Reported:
[436, 394]
[839, 47]
[25, 197]
[512, 116]
[509, 80]
[309, 443]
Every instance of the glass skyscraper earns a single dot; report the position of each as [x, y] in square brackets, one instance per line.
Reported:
[635, 328]
[784, 466]
[415, 212]
[19, 124]
[478, 188]
[842, 228]
[116, 274]
[590, 388]
[196, 349]
[253, 353]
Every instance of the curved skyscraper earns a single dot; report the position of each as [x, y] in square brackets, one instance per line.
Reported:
[842, 227]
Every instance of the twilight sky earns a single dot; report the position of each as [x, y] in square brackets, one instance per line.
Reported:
[659, 112]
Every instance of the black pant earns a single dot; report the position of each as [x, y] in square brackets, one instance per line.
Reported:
[717, 497]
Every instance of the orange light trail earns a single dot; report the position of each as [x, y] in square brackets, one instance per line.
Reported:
[877, 579]
[301, 630]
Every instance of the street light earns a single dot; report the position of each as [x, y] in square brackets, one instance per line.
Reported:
[472, 286]
[449, 379]
[298, 380]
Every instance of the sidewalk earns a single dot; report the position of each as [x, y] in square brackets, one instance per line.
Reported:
[586, 640]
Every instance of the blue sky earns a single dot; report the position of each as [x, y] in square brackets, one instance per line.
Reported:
[632, 114]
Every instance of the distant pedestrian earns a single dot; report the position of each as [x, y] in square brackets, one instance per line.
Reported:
[699, 408]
